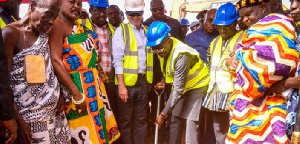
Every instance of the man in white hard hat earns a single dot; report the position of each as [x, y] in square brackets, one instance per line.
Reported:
[133, 67]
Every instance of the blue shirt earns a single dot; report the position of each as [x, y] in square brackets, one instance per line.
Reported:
[200, 41]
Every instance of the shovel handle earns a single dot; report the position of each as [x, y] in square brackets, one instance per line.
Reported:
[157, 113]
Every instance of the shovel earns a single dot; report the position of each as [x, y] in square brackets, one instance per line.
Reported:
[157, 113]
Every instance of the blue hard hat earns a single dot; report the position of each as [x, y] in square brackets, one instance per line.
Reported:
[99, 3]
[156, 33]
[226, 15]
[184, 21]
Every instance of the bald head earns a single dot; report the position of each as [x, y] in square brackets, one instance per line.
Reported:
[208, 21]
[156, 1]
[43, 14]
[44, 3]
[157, 8]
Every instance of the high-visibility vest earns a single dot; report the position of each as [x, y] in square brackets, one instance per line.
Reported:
[112, 30]
[198, 75]
[2, 22]
[130, 63]
[87, 23]
[218, 77]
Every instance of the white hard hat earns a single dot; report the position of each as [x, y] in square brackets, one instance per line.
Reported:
[134, 5]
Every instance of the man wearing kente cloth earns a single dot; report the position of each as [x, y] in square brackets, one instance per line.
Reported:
[74, 53]
[265, 55]
[38, 104]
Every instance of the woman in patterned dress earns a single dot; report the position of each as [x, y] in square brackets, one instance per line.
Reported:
[74, 50]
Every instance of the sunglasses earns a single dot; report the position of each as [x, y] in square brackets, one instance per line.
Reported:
[226, 28]
[159, 48]
[135, 14]
[157, 9]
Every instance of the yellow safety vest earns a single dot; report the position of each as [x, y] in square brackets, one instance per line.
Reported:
[88, 24]
[222, 79]
[2, 22]
[198, 75]
[112, 30]
[130, 63]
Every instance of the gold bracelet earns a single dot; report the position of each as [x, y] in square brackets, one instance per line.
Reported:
[78, 102]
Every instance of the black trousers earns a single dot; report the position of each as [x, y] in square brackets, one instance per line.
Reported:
[132, 114]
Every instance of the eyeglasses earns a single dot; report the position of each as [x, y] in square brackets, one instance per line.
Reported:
[159, 48]
[157, 9]
[135, 14]
[226, 28]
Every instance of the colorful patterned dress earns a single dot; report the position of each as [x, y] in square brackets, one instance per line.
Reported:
[80, 56]
[266, 54]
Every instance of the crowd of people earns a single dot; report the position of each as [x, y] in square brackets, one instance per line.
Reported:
[69, 75]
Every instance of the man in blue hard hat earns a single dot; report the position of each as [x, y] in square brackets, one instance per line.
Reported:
[184, 25]
[221, 84]
[157, 8]
[182, 67]
[201, 38]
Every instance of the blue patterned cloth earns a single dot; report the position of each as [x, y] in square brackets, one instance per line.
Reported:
[293, 100]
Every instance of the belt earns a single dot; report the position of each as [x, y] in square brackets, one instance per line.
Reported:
[141, 75]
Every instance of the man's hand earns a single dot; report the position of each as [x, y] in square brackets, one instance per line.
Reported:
[80, 108]
[24, 133]
[277, 87]
[12, 127]
[160, 85]
[123, 93]
[232, 63]
[159, 120]
[60, 105]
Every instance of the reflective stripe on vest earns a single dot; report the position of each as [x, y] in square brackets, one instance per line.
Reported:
[218, 77]
[198, 75]
[130, 63]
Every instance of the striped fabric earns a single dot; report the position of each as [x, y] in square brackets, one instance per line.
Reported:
[266, 54]
[216, 100]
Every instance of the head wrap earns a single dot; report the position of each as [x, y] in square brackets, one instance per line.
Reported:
[247, 3]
